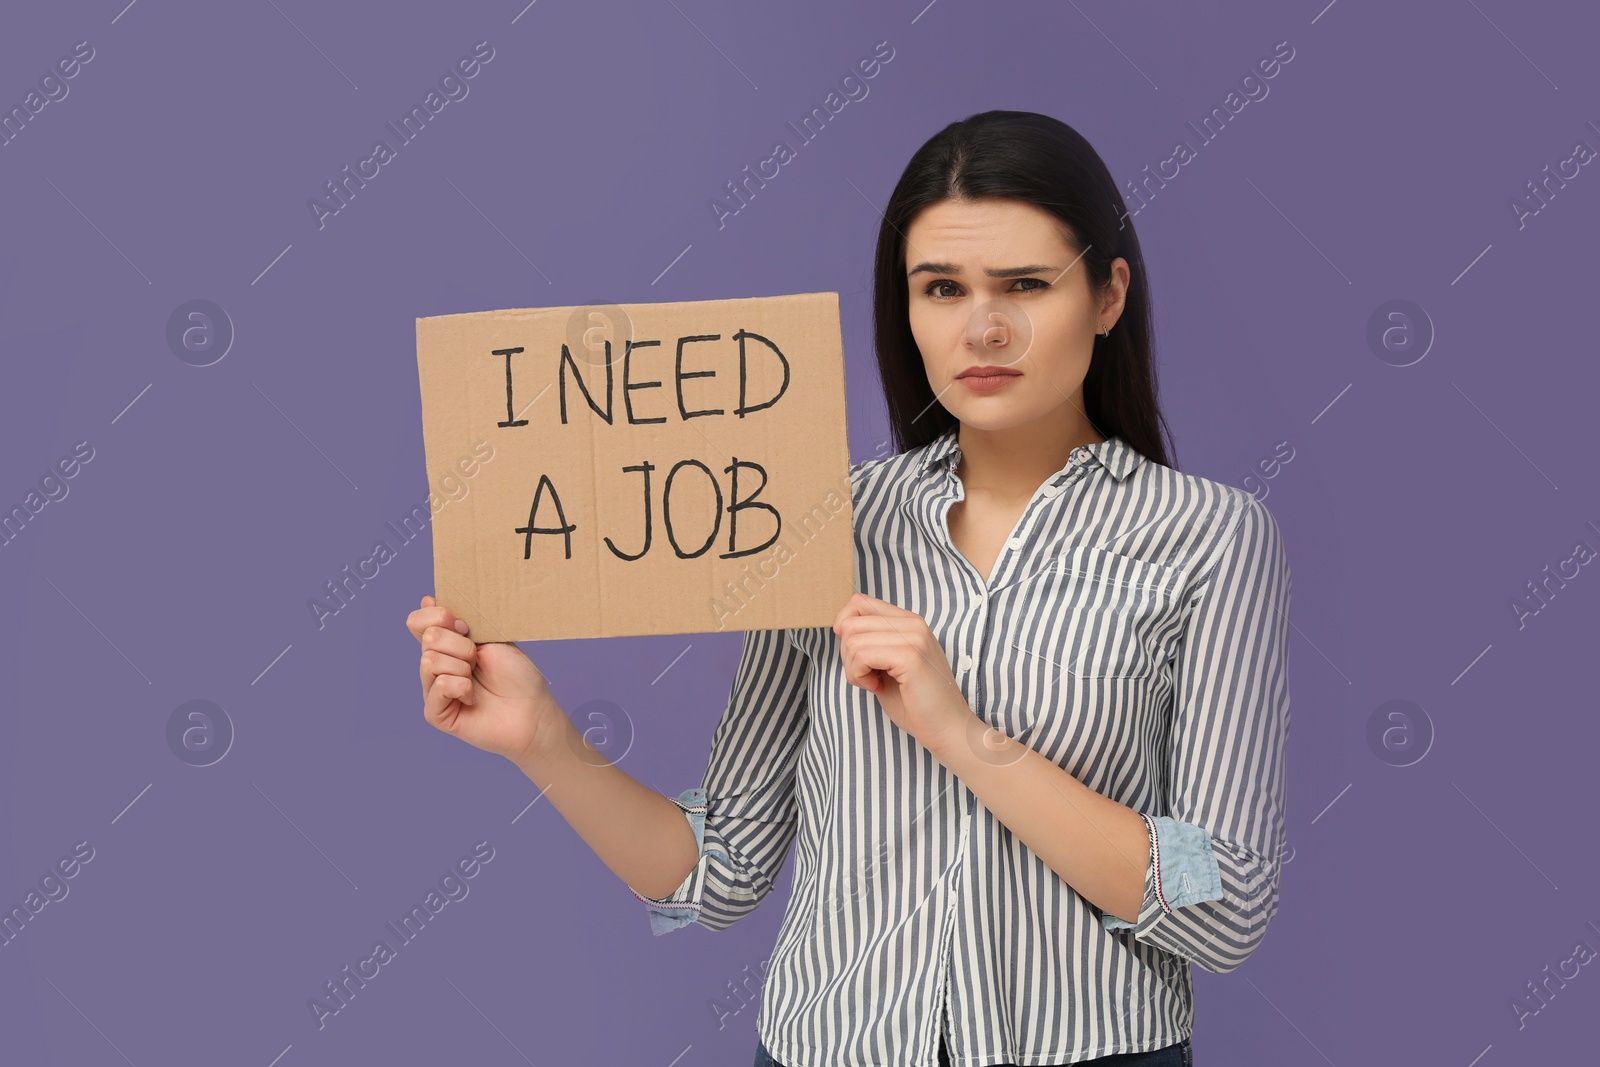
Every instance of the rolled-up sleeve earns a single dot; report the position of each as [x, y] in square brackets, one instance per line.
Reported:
[743, 813]
[1211, 886]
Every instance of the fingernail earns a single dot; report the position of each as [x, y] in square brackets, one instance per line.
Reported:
[461, 626]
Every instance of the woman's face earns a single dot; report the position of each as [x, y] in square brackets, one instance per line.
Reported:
[993, 283]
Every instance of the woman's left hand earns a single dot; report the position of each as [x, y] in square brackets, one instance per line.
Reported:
[890, 652]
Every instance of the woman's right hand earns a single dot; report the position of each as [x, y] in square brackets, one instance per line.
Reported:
[489, 695]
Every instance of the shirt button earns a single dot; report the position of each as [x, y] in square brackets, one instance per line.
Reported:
[1015, 542]
[965, 662]
[1080, 454]
[1052, 491]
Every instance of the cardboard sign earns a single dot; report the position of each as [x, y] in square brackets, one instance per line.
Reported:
[652, 468]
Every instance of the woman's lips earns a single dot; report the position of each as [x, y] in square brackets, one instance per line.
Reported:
[988, 383]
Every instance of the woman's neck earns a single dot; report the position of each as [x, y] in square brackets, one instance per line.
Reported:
[1011, 464]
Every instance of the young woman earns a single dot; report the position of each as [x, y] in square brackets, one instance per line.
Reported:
[1035, 769]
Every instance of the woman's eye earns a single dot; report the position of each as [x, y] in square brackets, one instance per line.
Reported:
[934, 288]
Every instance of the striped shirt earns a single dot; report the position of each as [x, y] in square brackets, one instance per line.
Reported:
[1134, 630]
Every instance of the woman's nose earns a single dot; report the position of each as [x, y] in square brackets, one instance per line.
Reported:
[1000, 331]
[988, 328]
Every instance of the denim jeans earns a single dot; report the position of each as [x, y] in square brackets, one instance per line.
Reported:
[1179, 1055]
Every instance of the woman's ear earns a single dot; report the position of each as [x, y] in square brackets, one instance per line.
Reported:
[1115, 295]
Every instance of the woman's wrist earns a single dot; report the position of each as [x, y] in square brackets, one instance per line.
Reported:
[552, 735]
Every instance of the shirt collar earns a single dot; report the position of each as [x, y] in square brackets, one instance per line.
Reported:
[1114, 454]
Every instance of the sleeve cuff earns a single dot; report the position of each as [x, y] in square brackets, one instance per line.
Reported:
[682, 906]
[1183, 869]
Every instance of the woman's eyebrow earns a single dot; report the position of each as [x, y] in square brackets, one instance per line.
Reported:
[951, 268]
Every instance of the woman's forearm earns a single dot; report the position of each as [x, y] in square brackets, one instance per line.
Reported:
[1095, 844]
[641, 835]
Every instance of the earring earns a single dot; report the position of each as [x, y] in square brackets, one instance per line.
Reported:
[1105, 331]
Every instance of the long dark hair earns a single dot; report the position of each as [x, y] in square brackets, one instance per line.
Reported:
[1021, 155]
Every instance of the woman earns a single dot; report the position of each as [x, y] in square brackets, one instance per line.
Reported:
[1036, 766]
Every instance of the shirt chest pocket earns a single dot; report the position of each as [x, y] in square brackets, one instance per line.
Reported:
[1108, 615]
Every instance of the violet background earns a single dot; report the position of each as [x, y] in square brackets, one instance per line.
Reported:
[1420, 500]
